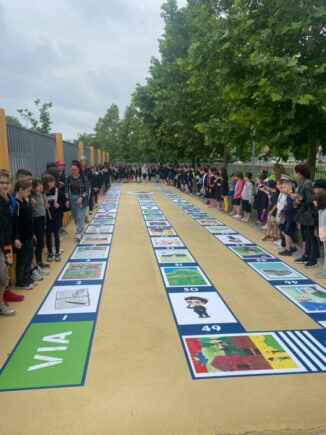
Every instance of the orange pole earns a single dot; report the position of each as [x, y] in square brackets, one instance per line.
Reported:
[59, 146]
[4, 149]
[80, 149]
[92, 162]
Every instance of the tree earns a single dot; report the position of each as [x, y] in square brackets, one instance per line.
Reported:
[88, 140]
[107, 132]
[234, 72]
[12, 120]
[42, 123]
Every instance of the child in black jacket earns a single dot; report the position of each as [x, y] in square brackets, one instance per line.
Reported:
[55, 200]
[24, 234]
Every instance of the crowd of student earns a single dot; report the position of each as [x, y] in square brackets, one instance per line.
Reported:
[31, 214]
[31, 217]
[289, 208]
[136, 174]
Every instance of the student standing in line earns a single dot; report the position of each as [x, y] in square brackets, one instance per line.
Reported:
[205, 182]
[144, 171]
[38, 209]
[24, 238]
[272, 228]
[6, 239]
[225, 190]
[218, 191]
[86, 172]
[54, 200]
[211, 189]
[78, 188]
[320, 204]
[306, 216]
[261, 199]
[106, 176]
[61, 166]
[231, 192]
[247, 195]
[280, 219]
[238, 177]
[95, 188]
[289, 213]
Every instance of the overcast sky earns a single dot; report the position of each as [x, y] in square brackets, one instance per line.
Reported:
[82, 55]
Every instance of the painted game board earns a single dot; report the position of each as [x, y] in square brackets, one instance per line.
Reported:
[196, 308]
[220, 229]
[167, 242]
[187, 276]
[99, 229]
[251, 252]
[158, 224]
[211, 221]
[165, 256]
[233, 239]
[90, 252]
[103, 221]
[162, 232]
[155, 217]
[83, 271]
[276, 271]
[71, 300]
[239, 354]
[311, 297]
[96, 239]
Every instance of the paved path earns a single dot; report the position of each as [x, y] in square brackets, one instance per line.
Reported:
[138, 380]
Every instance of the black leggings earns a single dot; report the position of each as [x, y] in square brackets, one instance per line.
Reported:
[312, 242]
[24, 257]
[39, 231]
[53, 227]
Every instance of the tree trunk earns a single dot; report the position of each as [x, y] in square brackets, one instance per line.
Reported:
[311, 159]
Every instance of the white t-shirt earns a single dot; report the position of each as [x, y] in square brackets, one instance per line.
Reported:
[280, 205]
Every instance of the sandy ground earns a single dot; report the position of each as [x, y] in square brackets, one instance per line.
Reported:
[138, 381]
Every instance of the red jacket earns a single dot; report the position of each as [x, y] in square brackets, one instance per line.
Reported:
[238, 189]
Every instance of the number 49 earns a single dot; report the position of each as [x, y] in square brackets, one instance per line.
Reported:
[211, 328]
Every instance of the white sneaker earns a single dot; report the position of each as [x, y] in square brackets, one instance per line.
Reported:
[264, 227]
[321, 274]
[78, 237]
[237, 216]
[36, 276]
[41, 271]
[5, 310]
[278, 242]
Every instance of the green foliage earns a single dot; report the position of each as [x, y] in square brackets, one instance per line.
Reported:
[107, 132]
[230, 73]
[88, 140]
[13, 121]
[233, 72]
[42, 123]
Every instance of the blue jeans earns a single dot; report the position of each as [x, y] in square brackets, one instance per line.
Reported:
[78, 214]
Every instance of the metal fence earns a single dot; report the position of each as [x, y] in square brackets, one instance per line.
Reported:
[87, 153]
[30, 150]
[70, 153]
